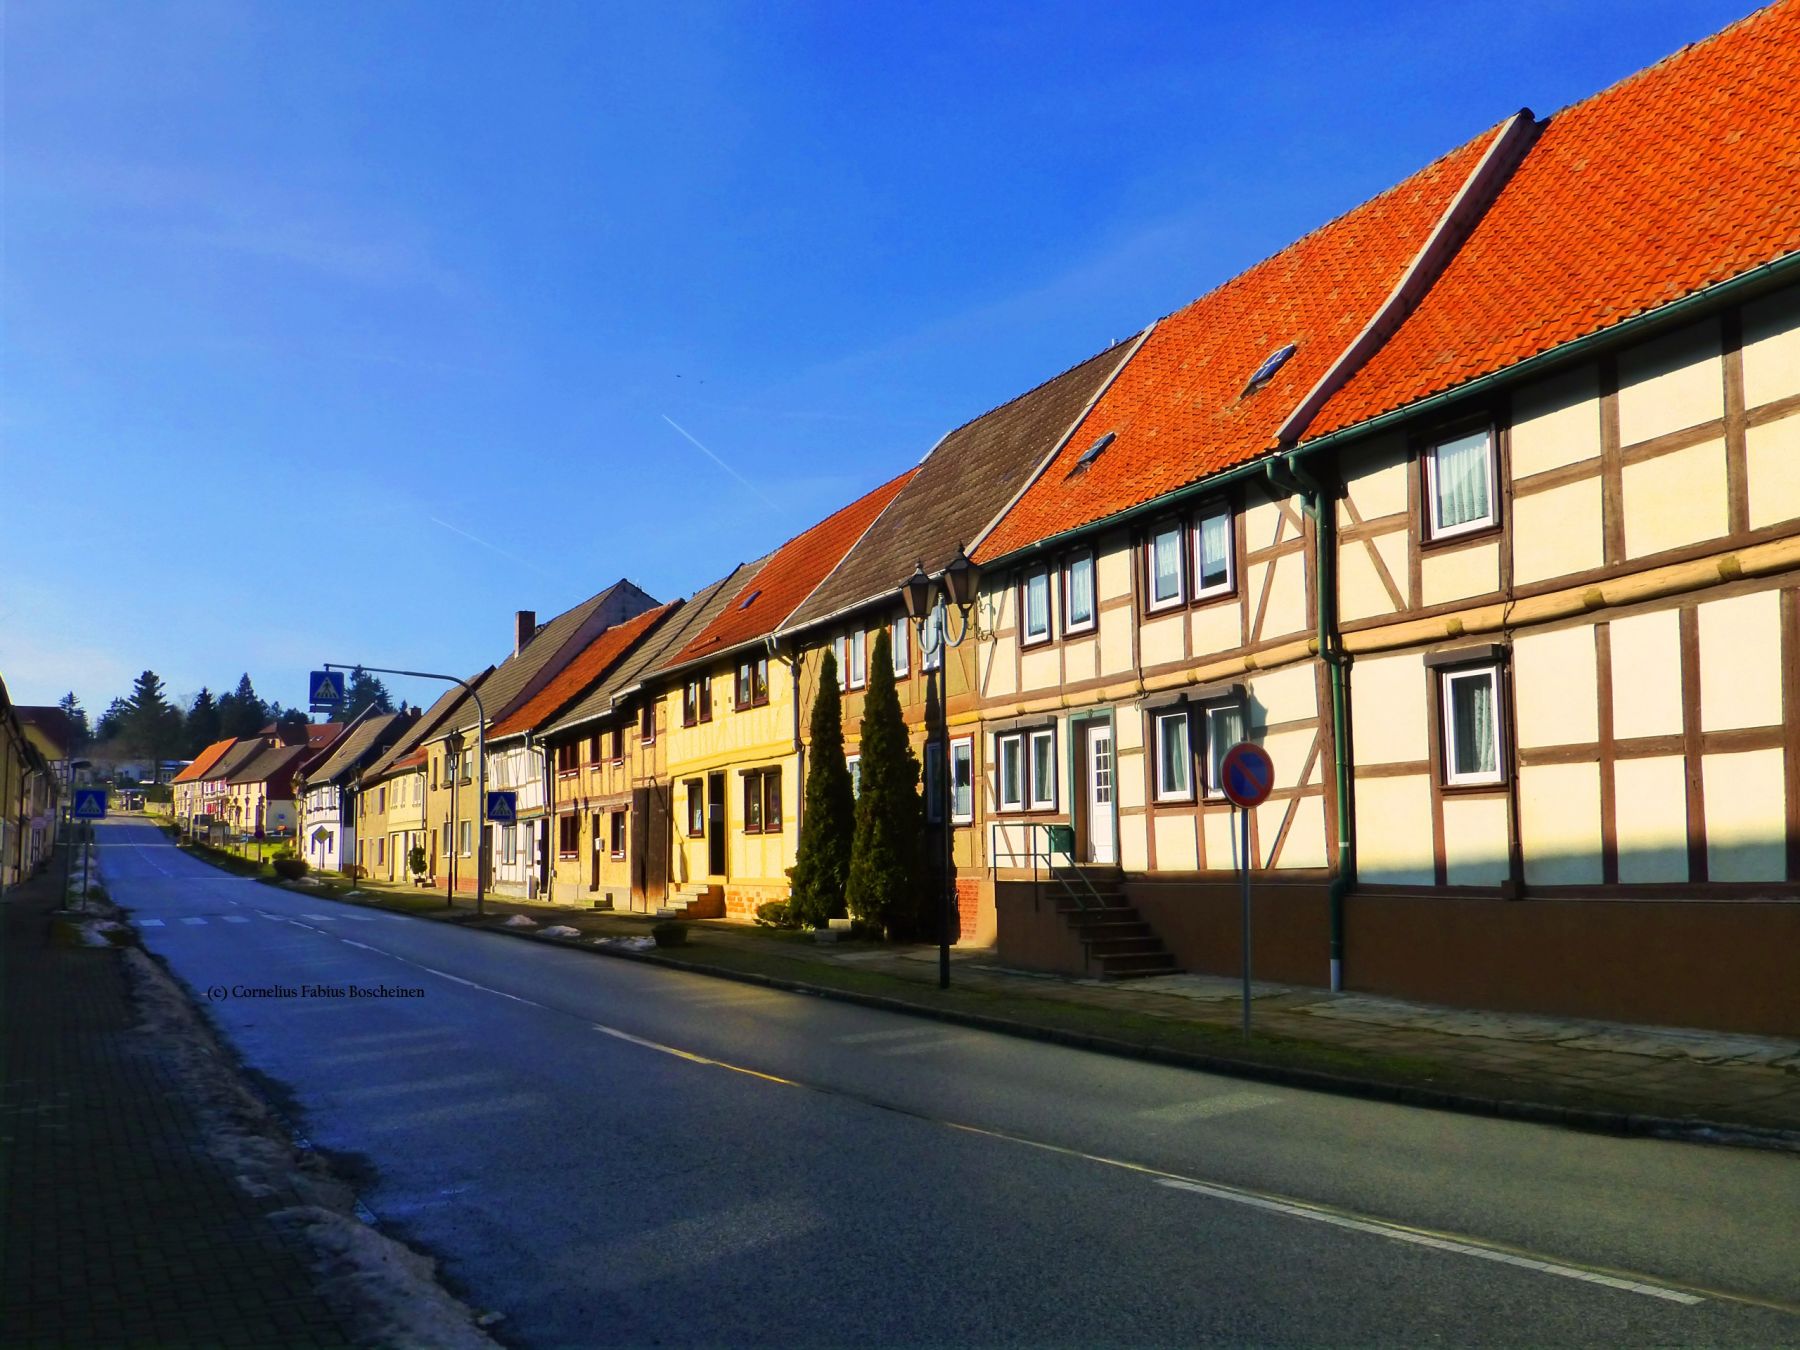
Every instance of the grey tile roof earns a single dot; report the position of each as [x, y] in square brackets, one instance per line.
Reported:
[448, 704]
[360, 745]
[236, 758]
[963, 484]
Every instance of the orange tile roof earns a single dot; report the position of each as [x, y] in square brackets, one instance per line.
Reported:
[590, 664]
[204, 761]
[1179, 410]
[1675, 179]
[789, 576]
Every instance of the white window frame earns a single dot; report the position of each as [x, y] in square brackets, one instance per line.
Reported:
[1036, 581]
[843, 667]
[1229, 585]
[1447, 678]
[962, 748]
[1162, 792]
[509, 845]
[931, 656]
[1041, 795]
[859, 658]
[1435, 531]
[900, 643]
[1212, 786]
[854, 764]
[1013, 745]
[1070, 623]
[1175, 530]
[467, 840]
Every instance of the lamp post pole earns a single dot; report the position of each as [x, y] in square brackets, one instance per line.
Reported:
[480, 767]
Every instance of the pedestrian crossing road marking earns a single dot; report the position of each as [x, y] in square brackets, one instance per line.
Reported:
[149, 923]
[236, 918]
[194, 921]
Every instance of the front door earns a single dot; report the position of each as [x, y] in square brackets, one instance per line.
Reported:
[1098, 790]
[715, 824]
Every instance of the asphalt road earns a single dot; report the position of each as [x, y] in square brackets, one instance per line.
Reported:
[615, 1153]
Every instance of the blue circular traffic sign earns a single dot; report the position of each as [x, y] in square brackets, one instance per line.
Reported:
[1246, 774]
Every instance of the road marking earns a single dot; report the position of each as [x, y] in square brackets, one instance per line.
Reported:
[149, 923]
[198, 923]
[358, 918]
[322, 918]
[923, 1047]
[236, 918]
[1421, 1238]
[1446, 1242]
[871, 1037]
[1206, 1108]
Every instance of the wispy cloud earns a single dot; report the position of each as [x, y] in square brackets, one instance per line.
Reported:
[487, 544]
[721, 463]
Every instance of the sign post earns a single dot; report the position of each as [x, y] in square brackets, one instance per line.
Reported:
[327, 690]
[90, 805]
[1246, 774]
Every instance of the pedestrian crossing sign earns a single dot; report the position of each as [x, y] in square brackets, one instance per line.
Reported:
[503, 807]
[327, 688]
[90, 804]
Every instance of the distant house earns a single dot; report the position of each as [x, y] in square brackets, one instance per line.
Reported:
[327, 832]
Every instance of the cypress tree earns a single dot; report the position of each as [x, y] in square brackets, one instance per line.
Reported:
[886, 860]
[822, 865]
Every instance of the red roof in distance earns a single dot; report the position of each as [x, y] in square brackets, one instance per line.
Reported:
[592, 662]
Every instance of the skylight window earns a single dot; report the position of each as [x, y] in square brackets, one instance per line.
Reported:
[749, 600]
[1094, 451]
[1266, 371]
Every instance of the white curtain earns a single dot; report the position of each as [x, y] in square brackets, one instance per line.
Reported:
[1472, 708]
[1081, 591]
[1463, 480]
[1215, 550]
[1168, 565]
[1172, 733]
[1225, 728]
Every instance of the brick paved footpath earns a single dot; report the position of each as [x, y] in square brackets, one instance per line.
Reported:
[116, 1228]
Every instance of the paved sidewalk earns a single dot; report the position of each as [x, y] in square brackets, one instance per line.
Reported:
[1597, 1074]
[118, 1228]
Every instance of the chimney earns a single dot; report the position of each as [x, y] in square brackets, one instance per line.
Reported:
[524, 625]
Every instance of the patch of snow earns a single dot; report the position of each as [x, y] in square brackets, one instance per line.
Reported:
[94, 933]
[311, 881]
[627, 944]
[520, 921]
[560, 930]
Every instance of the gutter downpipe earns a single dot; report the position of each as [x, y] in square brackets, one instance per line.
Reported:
[1287, 476]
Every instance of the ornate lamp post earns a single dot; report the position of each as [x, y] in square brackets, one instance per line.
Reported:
[957, 584]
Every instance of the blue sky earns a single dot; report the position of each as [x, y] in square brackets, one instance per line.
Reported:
[341, 331]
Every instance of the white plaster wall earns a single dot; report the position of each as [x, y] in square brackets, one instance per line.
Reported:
[1305, 845]
[1458, 574]
[1670, 383]
[1375, 480]
[1387, 708]
[1176, 847]
[1746, 816]
[1555, 688]
[1771, 347]
[1675, 499]
[1393, 830]
[1558, 532]
[1646, 674]
[1475, 841]
[1159, 639]
[1215, 629]
[1556, 421]
[1772, 452]
[1740, 662]
[1652, 829]
[1559, 824]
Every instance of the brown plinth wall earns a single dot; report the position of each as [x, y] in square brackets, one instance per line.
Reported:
[1726, 965]
[1729, 965]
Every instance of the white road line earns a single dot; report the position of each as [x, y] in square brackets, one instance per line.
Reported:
[1401, 1233]
[148, 923]
[871, 1037]
[1206, 1108]
[236, 918]
[198, 923]
[358, 918]
[321, 918]
[922, 1047]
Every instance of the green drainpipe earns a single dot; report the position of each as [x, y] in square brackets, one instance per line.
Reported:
[1285, 475]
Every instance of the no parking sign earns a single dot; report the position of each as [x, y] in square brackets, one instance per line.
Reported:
[1246, 775]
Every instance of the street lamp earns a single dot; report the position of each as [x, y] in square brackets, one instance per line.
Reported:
[453, 745]
[958, 583]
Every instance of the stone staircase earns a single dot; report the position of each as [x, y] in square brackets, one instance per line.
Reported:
[694, 900]
[1117, 940]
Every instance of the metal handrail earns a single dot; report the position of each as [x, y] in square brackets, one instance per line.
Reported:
[1048, 854]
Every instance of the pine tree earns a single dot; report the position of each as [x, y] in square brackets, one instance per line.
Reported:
[365, 691]
[112, 721]
[202, 722]
[241, 712]
[152, 725]
[79, 735]
[886, 860]
[828, 825]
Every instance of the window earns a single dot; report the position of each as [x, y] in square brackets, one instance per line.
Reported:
[851, 651]
[762, 801]
[1078, 594]
[509, 844]
[468, 765]
[446, 839]
[1213, 572]
[934, 782]
[690, 703]
[647, 722]
[618, 745]
[1012, 773]
[1174, 765]
[753, 682]
[962, 780]
[1225, 727]
[434, 773]
[696, 805]
[565, 758]
[900, 643]
[467, 837]
[1165, 567]
[381, 850]
[931, 641]
[854, 764]
[568, 835]
[380, 800]
[1043, 770]
[1034, 606]
[449, 768]
[1459, 485]
[617, 839]
[1470, 708]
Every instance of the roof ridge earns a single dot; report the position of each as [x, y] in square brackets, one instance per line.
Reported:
[1073, 366]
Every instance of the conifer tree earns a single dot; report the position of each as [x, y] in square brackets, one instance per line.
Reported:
[828, 825]
[886, 860]
[202, 722]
